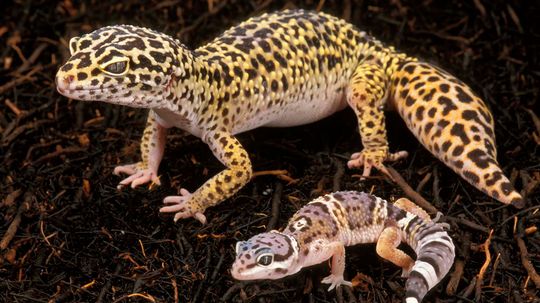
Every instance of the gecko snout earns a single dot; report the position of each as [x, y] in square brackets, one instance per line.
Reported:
[63, 82]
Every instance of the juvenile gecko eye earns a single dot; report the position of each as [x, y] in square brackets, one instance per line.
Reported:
[115, 69]
[265, 259]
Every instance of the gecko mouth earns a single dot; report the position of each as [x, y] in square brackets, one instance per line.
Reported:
[86, 93]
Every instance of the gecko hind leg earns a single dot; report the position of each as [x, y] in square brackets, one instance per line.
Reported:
[387, 248]
[366, 95]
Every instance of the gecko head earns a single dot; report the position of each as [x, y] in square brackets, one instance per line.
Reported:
[270, 255]
[120, 64]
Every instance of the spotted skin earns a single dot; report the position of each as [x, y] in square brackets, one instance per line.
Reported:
[321, 229]
[452, 123]
[281, 69]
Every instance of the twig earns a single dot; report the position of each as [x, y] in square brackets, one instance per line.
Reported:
[108, 283]
[340, 171]
[455, 277]
[482, 272]
[61, 151]
[423, 182]
[148, 297]
[526, 261]
[205, 274]
[202, 18]
[10, 198]
[320, 186]
[8, 137]
[276, 199]
[423, 203]
[350, 294]
[468, 291]
[494, 271]
[339, 294]
[229, 293]
[459, 266]
[46, 238]
[218, 266]
[436, 188]
[36, 146]
[530, 184]
[33, 57]
[480, 7]
[175, 289]
[275, 172]
[535, 119]
[281, 174]
[12, 229]
[14, 107]
[20, 80]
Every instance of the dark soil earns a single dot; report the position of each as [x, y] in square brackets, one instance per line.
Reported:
[76, 238]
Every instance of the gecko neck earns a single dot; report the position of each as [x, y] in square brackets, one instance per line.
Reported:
[309, 253]
[195, 87]
[187, 92]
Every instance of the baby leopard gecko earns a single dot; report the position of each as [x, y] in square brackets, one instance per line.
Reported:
[321, 229]
[280, 69]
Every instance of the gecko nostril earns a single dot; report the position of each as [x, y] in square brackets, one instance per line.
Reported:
[69, 79]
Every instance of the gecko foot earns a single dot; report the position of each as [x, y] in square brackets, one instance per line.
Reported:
[335, 281]
[138, 175]
[374, 158]
[182, 207]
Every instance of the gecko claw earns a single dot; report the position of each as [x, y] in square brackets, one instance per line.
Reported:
[374, 158]
[137, 175]
[335, 281]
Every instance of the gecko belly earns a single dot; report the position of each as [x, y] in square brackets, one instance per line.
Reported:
[294, 111]
[307, 111]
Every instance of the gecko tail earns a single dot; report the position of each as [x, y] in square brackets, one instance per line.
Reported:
[490, 179]
[435, 255]
[454, 124]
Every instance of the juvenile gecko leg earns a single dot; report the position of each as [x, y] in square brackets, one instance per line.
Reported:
[218, 188]
[336, 278]
[366, 95]
[387, 248]
[409, 206]
[152, 148]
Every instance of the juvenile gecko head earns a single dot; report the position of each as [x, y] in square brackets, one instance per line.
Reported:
[121, 64]
[270, 255]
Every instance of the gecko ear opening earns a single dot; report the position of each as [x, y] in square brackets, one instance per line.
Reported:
[73, 45]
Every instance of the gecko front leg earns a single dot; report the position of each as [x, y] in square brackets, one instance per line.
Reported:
[336, 279]
[366, 95]
[218, 188]
[152, 148]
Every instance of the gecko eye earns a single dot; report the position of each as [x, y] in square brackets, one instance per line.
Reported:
[116, 69]
[265, 259]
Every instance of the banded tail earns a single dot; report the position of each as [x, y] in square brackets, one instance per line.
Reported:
[454, 125]
[435, 253]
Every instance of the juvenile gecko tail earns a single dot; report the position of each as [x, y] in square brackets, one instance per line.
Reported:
[435, 255]
[453, 124]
